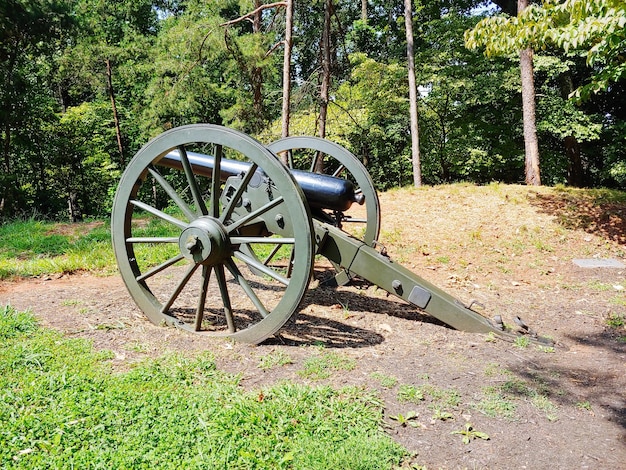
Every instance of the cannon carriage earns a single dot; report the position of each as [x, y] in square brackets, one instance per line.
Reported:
[213, 234]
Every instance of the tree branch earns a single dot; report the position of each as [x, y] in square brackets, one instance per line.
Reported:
[273, 48]
[254, 12]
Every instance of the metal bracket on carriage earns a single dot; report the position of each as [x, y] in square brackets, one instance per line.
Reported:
[382, 249]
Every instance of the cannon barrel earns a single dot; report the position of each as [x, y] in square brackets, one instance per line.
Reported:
[321, 191]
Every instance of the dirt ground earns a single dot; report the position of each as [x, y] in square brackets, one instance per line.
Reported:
[509, 247]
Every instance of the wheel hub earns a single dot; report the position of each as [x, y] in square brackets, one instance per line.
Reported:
[204, 241]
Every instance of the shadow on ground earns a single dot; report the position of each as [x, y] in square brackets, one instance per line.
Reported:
[590, 210]
[311, 329]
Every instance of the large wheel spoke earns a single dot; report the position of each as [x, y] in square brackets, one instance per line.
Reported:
[258, 265]
[228, 310]
[152, 240]
[191, 180]
[171, 192]
[254, 214]
[314, 162]
[159, 268]
[159, 214]
[206, 275]
[179, 288]
[270, 257]
[237, 196]
[339, 170]
[241, 280]
[264, 240]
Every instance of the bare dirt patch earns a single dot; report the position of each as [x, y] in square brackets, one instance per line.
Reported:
[510, 248]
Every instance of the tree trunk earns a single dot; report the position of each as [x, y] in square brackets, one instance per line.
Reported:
[73, 207]
[8, 191]
[256, 74]
[6, 165]
[364, 10]
[287, 75]
[575, 171]
[116, 117]
[531, 143]
[415, 143]
[325, 85]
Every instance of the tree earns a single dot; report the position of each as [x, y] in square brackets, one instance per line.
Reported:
[325, 50]
[252, 51]
[470, 113]
[475, 38]
[29, 31]
[415, 141]
[287, 69]
[531, 142]
[595, 28]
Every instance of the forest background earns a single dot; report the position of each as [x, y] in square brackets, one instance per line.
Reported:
[85, 83]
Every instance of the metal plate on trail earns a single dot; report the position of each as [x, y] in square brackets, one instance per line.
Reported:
[419, 296]
[599, 263]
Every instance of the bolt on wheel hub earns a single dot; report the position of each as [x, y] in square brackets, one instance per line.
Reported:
[204, 241]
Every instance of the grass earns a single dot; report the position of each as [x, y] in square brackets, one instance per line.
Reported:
[274, 359]
[501, 401]
[410, 393]
[323, 365]
[62, 406]
[385, 380]
[33, 247]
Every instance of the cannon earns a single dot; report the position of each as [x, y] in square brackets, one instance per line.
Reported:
[215, 235]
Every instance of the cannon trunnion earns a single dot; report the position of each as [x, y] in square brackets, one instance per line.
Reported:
[213, 234]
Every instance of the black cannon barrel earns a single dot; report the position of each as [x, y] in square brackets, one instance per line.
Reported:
[321, 191]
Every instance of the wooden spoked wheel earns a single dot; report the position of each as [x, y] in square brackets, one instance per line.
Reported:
[361, 221]
[187, 203]
[318, 155]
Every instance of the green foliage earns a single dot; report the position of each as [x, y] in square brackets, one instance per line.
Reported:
[410, 393]
[615, 320]
[469, 434]
[593, 27]
[175, 63]
[61, 407]
[410, 419]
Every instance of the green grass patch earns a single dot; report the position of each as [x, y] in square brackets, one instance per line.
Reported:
[442, 398]
[410, 393]
[322, 366]
[386, 381]
[501, 401]
[33, 247]
[61, 406]
[615, 320]
[274, 359]
[496, 404]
